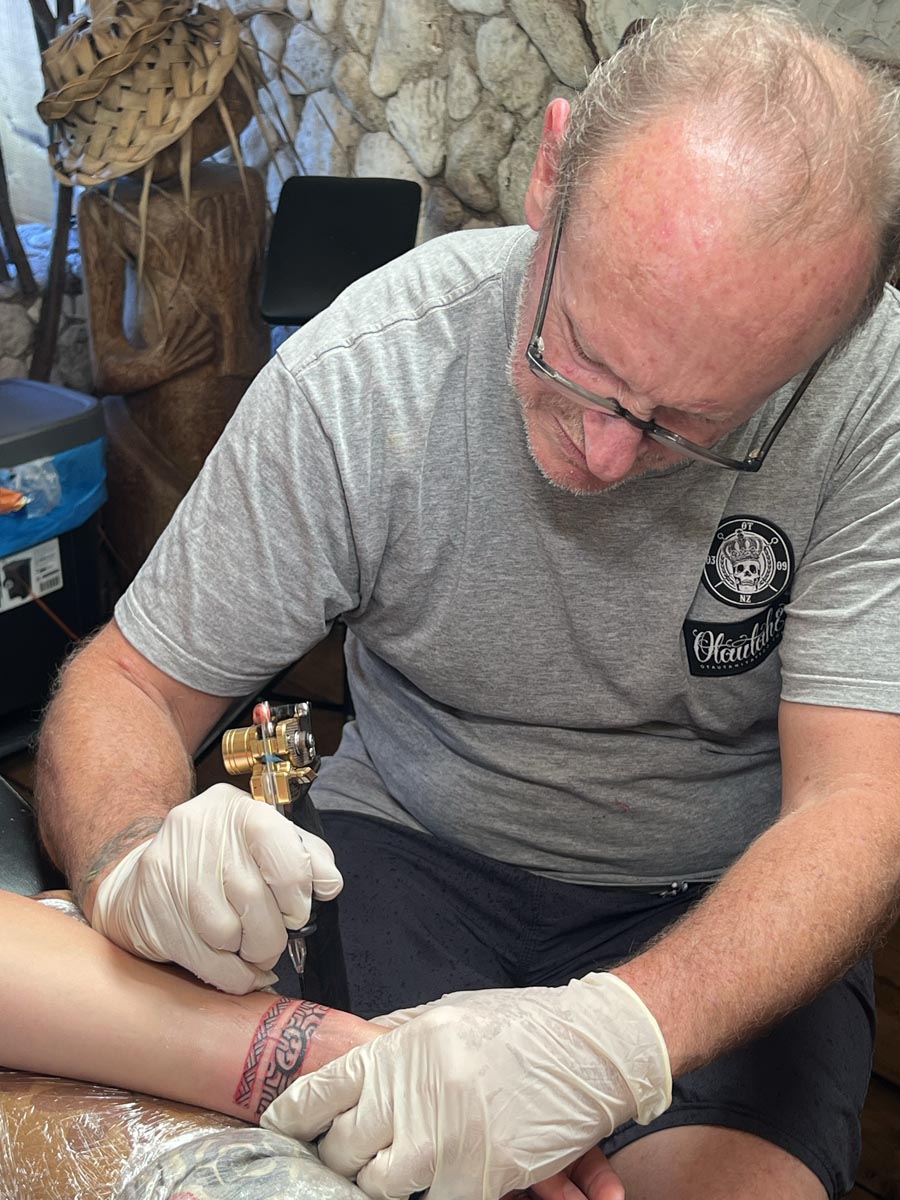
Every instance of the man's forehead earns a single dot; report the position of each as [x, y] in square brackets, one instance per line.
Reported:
[660, 220]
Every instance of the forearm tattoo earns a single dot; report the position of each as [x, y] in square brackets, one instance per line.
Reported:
[115, 848]
[277, 1052]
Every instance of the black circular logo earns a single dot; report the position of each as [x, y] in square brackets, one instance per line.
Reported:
[750, 562]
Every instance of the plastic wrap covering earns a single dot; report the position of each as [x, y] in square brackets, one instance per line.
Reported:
[63, 1140]
[245, 1164]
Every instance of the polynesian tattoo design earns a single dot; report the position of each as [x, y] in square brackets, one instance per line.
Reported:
[277, 1052]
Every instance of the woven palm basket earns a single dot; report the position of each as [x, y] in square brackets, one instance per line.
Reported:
[128, 78]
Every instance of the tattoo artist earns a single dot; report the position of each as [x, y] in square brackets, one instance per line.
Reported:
[609, 507]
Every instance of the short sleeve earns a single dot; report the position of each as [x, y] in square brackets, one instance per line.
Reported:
[841, 637]
[259, 559]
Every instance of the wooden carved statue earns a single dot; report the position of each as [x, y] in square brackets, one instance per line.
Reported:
[138, 93]
[180, 344]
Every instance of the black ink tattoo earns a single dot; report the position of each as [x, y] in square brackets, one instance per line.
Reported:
[277, 1052]
[115, 848]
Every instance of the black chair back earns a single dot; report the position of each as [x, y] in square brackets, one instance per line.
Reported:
[329, 232]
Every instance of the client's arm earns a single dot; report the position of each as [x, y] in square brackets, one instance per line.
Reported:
[74, 1004]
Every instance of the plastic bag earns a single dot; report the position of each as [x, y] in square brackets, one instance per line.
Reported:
[40, 484]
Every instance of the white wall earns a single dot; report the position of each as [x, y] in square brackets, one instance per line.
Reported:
[23, 134]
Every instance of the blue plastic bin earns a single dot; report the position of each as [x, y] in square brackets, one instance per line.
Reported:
[52, 446]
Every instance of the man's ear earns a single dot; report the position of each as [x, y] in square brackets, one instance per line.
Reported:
[542, 184]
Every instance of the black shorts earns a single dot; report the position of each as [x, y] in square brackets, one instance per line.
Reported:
[420, 917]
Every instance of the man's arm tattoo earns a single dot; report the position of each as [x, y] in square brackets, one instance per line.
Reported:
[277, 1052]
[113, 850]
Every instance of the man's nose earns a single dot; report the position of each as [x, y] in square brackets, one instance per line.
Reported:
[610, 445]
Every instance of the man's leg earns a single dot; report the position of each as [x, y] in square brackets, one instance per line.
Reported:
[784, 1107]
[420, 917]
[702, 1162]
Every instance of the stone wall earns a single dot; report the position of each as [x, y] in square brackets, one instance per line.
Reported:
[450, 93]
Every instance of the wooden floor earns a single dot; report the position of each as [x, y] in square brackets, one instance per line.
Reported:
[319, 678]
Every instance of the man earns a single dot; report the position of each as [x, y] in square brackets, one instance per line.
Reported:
[626, 709]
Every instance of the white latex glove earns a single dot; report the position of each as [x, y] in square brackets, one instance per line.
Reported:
[482, 1093]
[216, 888]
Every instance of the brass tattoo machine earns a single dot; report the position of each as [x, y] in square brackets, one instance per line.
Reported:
[278, 752]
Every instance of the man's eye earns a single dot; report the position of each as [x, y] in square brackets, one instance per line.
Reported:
[582, 357]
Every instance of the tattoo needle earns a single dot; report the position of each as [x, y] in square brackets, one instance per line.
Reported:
[262, 714]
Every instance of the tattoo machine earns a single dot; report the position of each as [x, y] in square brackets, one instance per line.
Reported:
[278, 751]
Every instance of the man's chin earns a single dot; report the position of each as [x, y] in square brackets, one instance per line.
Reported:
[576, 483]
[590, 485]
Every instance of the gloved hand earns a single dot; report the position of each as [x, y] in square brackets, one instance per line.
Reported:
[481, 1093]
[216, 888]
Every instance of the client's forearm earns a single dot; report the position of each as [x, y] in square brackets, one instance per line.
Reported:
[74, 1004]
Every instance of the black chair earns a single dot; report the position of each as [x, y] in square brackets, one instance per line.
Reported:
[329, 232]
[24, 868]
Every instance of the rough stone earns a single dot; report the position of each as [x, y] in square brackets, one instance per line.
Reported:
[282, 167]
[607, 26]
[225, 156]
[16, 331]
[278, 123]
[561, 91]
[510, 66]
[299, 9]
[351, 81]
[487, 8]
[13, 368]
[34, 313]
[73, 358]
[463, 88]
[242, 7]
[281, 108]
[514, 172]
[379, 156]
[443, 213]
[557, 33]
[270, 34]
[328, 135]
[361, 18]
[416, 119]
[307, 61]
[325, 14]
[254, 148]
[410, 40]
[474, 153]
[483, 223]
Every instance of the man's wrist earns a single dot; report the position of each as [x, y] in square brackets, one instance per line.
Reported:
[85, 885]
[629, 1036]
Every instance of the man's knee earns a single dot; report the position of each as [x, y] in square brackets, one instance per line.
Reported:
[705, 1162]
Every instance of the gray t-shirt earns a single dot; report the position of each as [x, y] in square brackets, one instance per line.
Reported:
[583, 686]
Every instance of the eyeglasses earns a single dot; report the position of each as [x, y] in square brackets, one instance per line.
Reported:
[534, 355]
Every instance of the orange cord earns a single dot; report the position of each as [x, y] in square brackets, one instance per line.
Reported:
[45, 607]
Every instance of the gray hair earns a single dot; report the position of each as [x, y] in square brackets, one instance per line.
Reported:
[817, 122]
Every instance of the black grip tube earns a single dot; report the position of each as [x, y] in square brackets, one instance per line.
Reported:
[325, 976]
